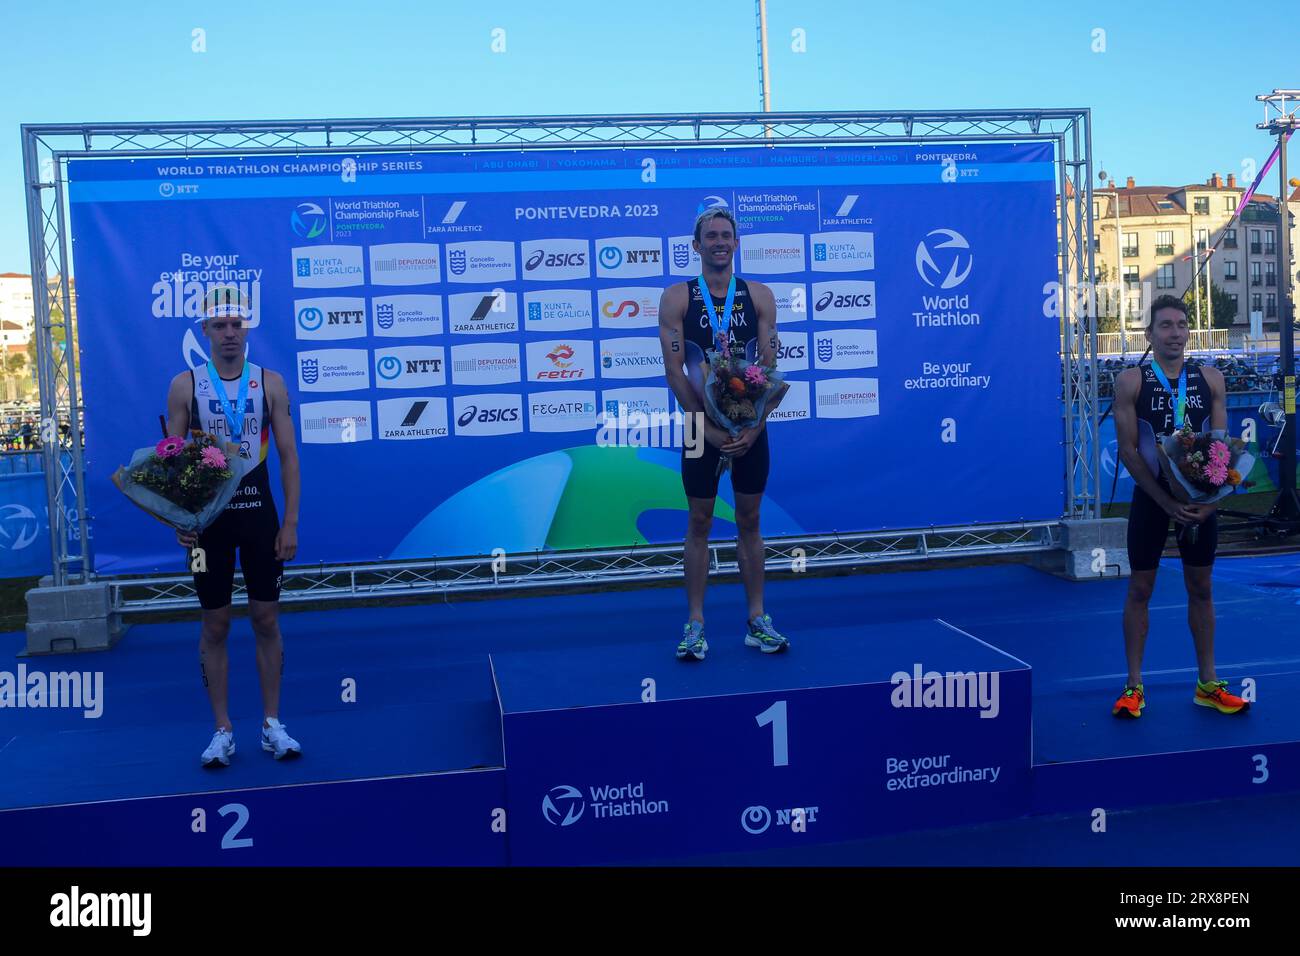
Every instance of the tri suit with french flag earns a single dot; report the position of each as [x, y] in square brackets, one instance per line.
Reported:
[1148, 524]
[250, 522]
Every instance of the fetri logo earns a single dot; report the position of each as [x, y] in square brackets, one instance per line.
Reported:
[562, 357]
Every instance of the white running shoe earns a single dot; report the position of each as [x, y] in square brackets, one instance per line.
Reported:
[219, 751]
[277, 741]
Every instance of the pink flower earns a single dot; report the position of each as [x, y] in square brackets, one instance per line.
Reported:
[169, 447]
[1219, 453]
[213, 458]
[1216, 473]
[754, 376]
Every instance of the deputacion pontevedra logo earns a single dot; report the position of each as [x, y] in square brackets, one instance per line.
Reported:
[954, 254]
[308, 220]
[563, 806]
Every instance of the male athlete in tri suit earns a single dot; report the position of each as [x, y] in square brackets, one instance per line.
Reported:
[1151, 401]
[687, 327]
[209, 398]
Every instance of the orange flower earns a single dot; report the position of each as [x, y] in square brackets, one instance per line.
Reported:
[1234, 477]
[736, 385]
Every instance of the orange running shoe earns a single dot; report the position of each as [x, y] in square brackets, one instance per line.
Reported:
[1215, 694]
[1130, 702]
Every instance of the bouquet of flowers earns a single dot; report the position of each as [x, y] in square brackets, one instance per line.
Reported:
[738, 392]
[182, 484]
[1203, 467]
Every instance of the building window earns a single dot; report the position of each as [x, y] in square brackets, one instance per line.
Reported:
[1096, 210]
[1135, 304]
[1096, 243]
[1271, 311]
[1270, 273]
[1165, 276]
[1256, 302]
[1165, 242]
[1230, 238]
[1270, 243]
[1202, 238]
[1131, 277]
[1230, 203]
[1230, 270]
[1130, 244]
[1254, 241]
[1202, 205]
[1233, 297]
[1255, 277]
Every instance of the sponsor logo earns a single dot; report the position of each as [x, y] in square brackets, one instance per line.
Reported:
[308, 220]
[708, 202]
[623, 403]
[404, 263]
[557, 310]
[846, 348]
[333, 370]
[453, 212]
[843, 251]
[846, 207]
[560, 361]
[848, 397]
[791, 301]
[683, 260]
[944, 258]
[756, 820]
[564, 806]
[483, 313]
[342, 317]
[629, 307]
[550, 259]
[561, 411]
[795, 405]
[639, 357]
[792, 355]
[19, 527]
[331, 423]
[629, 256]
[410, 366]
[844, 300]
[772, 252]
[482, 261]
[410, 419]
[407, 316]
[325, 267]
[493, 363]
[493, 414]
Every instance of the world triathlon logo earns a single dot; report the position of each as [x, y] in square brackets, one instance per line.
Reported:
[388, 368]
[308, 220]
[310, 371]
[310, 318]
[563, 806]
[384, 316]
[457, 261]
[948, 261]
[709, 202]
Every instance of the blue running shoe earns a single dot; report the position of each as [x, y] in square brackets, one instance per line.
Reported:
[693, 645]
[764, 636]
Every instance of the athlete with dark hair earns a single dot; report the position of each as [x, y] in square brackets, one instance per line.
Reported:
[238, 402]
[1151, 401]
[744, 312]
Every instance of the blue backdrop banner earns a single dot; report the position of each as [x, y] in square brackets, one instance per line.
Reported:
[470, 339]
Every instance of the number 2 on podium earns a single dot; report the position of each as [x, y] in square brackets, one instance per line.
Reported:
[775, 715]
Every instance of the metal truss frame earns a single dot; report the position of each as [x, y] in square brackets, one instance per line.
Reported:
[48, 147]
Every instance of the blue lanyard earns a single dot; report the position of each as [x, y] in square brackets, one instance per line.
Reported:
[234, 411]
[1179, 397]
[719, 324]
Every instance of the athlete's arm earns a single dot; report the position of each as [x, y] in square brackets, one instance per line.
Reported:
[672, 340]
[1128, 384]
[277, 394]
[765, 304]
[178, 406]
[179, 396]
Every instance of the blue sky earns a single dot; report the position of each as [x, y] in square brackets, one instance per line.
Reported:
[1172, 94]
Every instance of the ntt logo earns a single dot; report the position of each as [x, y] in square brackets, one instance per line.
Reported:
[563, 806]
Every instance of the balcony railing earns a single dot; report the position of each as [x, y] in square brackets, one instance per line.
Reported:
[1165, 250]
[1256, 280]
[1256, 248]
[1230, 278]
[1230, 243]
[1271, 313]
[1270, 279]
[1130, 252]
